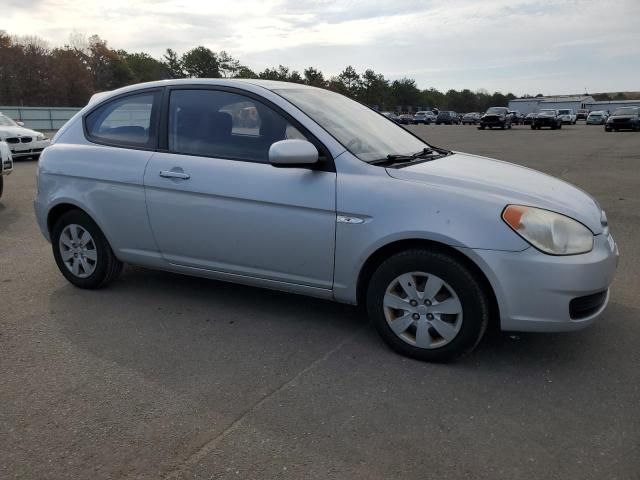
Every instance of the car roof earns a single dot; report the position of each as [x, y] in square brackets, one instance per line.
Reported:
[228, 82]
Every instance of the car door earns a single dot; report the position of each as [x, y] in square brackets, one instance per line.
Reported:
[216, 203]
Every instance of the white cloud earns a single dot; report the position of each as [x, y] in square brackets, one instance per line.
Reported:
[516, 45]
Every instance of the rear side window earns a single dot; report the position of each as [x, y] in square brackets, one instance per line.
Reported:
[126, 121]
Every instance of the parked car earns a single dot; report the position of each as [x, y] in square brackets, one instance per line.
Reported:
[391, 116]
[547, 118]
[425, 117]
[516, 117]
[447, 117]
[405, 119]
[582, 114]
[598, 117]
[496, 242]
[22, 141]
[528, 120]
[472, 118]
[624, 118]
[567, 116]
[6, 164]
[496, 117]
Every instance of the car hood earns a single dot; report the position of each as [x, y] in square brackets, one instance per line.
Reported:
[17, 131]
[505, 183]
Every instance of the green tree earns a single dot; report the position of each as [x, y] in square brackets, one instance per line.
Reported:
[145, 68]
[173, 64]
[201, 62]
[405, 93]
[314, 77]
[350, 79]
[228, 65]
[374, 89]
[244, 72]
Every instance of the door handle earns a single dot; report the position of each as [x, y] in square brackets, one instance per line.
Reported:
[174, 174]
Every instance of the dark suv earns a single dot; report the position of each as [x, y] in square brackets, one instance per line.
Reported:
[498, 117]
[547, 118]
[625, 118]
[448, 118]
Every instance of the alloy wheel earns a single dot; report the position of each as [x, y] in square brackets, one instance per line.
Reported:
[78, 250]
[422, 310]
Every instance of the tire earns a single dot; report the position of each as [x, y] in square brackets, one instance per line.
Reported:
[103, 265]
[1, 184]
[533, 127]
[559, 126]
[481, 127]
[509, 127]
[460, 290]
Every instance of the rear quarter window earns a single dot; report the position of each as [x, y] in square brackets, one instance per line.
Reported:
[125, 121]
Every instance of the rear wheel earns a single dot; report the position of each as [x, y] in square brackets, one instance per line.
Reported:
[82, 252]
[427, 305]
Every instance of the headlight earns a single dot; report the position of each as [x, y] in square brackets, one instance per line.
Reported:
[41, 136]
[548, 231]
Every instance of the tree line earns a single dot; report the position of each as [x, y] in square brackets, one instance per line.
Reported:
[34, 74]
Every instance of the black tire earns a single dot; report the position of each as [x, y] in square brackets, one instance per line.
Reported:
[560, 126]
[1, 184]
[107, 267]
[533, 127]
[475, 305]
[481, 127]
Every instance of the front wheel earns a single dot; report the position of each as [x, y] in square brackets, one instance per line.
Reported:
[82, 252]
[428, 305]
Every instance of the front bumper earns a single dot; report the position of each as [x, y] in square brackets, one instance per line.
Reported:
[492, 121]
[534, 290]
[621, 124]
[35, 147]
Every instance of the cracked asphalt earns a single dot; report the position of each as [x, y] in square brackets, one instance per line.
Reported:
[164, 376]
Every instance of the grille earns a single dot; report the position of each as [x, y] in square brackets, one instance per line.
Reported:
[25, 139]
[583, 307]
[621, 120]
[12, 140]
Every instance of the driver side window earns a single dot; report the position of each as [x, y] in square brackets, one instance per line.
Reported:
[222, 124]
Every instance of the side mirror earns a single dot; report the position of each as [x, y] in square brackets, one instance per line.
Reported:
[293, 153]
[21, 124]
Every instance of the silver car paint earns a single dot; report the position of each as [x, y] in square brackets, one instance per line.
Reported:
[276, 229]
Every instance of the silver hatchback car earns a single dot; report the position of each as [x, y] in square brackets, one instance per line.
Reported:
[300, 189]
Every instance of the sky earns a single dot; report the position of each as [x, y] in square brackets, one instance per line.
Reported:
[519, 46]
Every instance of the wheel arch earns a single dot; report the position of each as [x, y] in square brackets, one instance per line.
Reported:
[384, 252]
[65, 206]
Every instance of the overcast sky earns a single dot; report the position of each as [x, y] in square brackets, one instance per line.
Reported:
[522, 46]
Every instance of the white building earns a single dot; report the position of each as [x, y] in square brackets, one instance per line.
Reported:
[611, 105]
[532, 105]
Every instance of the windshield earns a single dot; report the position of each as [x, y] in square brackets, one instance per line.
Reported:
[362, 131]
[626, 111]
[497, 110]
[7, 122]
[547, 113]
[564, 112]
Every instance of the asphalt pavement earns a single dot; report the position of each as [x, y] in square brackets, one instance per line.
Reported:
[165, 376]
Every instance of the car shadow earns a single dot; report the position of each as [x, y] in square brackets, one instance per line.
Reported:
[171, 327]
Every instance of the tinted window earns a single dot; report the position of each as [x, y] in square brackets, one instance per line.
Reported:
[223, 124]
[125, 121]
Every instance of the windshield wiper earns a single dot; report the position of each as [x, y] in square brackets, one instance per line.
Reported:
[430, 153]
